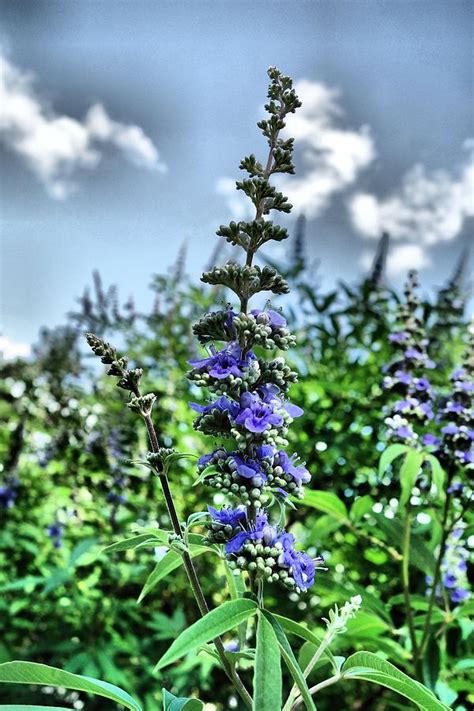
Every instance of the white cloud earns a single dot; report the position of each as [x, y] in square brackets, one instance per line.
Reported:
[10, 350]
[55, 147]
[428, 208]
[400, 259]
[332, 156]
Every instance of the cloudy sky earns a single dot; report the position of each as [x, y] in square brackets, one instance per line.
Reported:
[122, 124]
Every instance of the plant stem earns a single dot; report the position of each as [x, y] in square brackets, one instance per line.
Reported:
[314, 689]
[406, 589]
[325, 642]
[437, 571]
[191, 570]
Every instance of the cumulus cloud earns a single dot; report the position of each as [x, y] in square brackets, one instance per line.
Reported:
[56, 147]
[332, 155]
[9, 350]
[400, 259]
[428, 208]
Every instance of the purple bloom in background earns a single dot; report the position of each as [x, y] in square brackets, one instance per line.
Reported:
[422, 384]
[429, 439]
[55, 532]
[450, 429]
[255, 415]
[460, 594]
[399, 337]
[8, 492]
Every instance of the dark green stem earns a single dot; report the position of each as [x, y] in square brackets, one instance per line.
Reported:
[445, 531]
[191, 570]
[406, 589]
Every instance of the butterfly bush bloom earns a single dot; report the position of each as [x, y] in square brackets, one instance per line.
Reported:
[405, 375]
[248, 403]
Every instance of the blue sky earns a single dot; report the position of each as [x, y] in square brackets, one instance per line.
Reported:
[121, 143]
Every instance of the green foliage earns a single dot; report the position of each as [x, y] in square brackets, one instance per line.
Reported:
[75, 606]
[31, 673]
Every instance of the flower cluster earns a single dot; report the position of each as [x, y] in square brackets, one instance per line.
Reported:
[456, 444]
[405, 376]
[248, 403]
[454, 569]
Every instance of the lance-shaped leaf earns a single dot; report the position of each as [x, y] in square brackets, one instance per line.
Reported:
[290, 661]
[216, 622]
[170, 561]
[370, 667]
[175, 703]
[389, 455]
[267, 681]
[409, 472]
[327, 502]
[33, 673]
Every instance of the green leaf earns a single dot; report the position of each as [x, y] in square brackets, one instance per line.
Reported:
[439, 475]
[141, 540]
[33, 673]
[366, 625]
[327, 502]
[408, 473]
[175, 703]
[225, 617]
[431, 663]
[166, 565]
[360, 507]
[370, 667]
[389, 455]
[267, 681]
[420, 555]
[304, 633]
[290, 661]
[23, 707]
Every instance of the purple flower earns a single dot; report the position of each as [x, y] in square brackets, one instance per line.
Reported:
[269, 318]
[270, 396]
[255, 415]
[262, 531]
[299, 473]
[422, 384]
[223, 404]
[450, 429]
[301, 565]
[249, 469]
[228, 517]
[405, 432]
[430, 439]
[265, 451]
[403, 377]
[414, 354]
[399, 337]
[459, 595]
[449, 580]
[228, 361]
[205, 459]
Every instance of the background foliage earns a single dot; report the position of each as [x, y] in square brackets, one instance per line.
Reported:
[67, 490]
